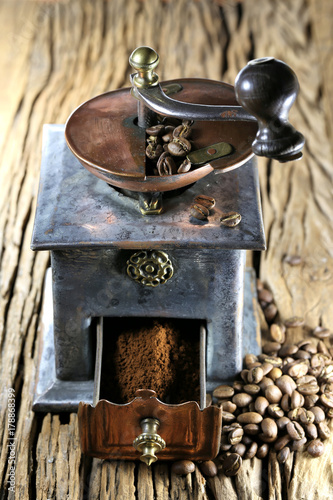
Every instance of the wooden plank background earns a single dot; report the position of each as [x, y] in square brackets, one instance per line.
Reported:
[55, 55]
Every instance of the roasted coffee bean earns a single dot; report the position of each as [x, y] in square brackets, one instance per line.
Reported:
[227, 417]
[261, 405]
[251, 451]
[179, 146]
[167, 137]
[154, 151]
[242, 399]
[199, 212]
[229, 407]
[255, 375]
[230, 219]
[165, 164]
[275, 373]
[295, 414]
[288, 350]
[300, 354]
[206, 201]
[311, 431]
[270, 312]
[321, 332]
[247, 440]
[262, 450]
[277, 333]
[329, 413]
[251, 429]
[252, 389]
[249, 359]
[184, 167]
[238, 448]
[183, 131]
[306, 417]
[323, 430]
[269, 428]
[299, 368]
[296, 399]
[316, 448]
[265, 296]
[271, 348]
[327, 399]
[310, 401]
[298, 445]
[265, 383]
[283, 455]
[267, 368]
[308, 389]
[327, 388]
[275, 411]
[273, 394]
[183, 467]
[282, 423]
[223, 392]
[208, 468]
[232, 464]
[294, 322]
[273, 360]
[295, 430]
[308, 346]
[230, 427]
[281, 442]
[155, 130]
[235, 436]
[238, 386]
[249, 418]
[244, 373]
[225, 445]
[286, 402]
[321, 347]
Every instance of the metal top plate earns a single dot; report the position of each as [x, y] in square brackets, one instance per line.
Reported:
[76, 209]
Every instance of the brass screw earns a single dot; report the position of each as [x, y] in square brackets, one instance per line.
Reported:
[149, 442]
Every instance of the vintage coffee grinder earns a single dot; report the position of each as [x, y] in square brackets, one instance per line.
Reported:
[144, 243]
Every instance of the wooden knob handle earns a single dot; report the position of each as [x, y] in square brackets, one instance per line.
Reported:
[266, 88]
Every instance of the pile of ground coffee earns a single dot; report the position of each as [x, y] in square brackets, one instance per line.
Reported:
[147, 353]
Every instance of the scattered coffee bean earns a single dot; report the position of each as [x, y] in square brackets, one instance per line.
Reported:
[232, 464]
[281, 442]
[321, 332]
[249, 418]
[298, 445]
[311, 431]
[235, 436]
[199, 212]
[229, 407]
[242, 399]
[155, 130]
[230, 219]
[206, 201]
[251, 389]
[223, 392]
[184, 167]
[265, 296]
[182, 467]
[316, 448]
[251, 451]
[275, 373]
[294, 322]
[227, 417]
[269, 428]
[270, 312]
[208, 468]
[271, 348]
[299, 368]
[273, 394]
[277, 333]
[283, 455]
[261, 405]
[238, 448]
[323, 430]
[251, 429]
[179, 146]
[295, 430]
[262, 450]
[327, 400]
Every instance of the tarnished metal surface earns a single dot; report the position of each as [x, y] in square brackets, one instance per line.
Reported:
[76, 209]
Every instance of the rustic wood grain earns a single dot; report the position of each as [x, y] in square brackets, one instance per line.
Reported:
[55, 55]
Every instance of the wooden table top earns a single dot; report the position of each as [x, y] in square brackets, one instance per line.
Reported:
[54, 56]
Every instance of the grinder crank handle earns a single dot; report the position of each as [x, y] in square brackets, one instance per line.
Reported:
[266, 89]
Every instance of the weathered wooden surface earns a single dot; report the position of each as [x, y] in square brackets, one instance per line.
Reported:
[53, 56]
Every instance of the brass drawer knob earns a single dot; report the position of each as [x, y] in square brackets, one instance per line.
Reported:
[149, 442]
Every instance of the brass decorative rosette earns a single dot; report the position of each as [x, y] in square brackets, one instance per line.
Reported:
[150, 267]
